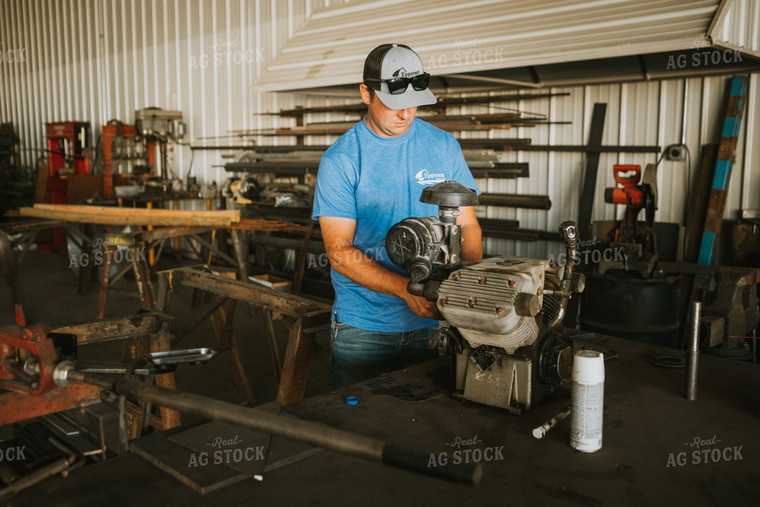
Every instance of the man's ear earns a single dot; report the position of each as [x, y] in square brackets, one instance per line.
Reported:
[364, 91]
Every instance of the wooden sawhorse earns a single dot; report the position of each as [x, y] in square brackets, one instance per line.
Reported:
[304, 317]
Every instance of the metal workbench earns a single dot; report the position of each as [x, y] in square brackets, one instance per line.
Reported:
[649, 455]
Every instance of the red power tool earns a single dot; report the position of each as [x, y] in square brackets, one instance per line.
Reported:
[635, 197]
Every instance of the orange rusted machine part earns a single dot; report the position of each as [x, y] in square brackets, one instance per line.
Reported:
[28, 359]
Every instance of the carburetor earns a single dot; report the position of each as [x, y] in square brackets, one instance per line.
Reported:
[502, 314]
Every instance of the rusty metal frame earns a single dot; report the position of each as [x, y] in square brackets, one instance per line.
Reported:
[140, 333]
[20, 407]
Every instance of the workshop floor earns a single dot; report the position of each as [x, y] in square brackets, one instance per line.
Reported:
[50, 289]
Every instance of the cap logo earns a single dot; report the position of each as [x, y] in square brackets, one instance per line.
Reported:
[403, 73]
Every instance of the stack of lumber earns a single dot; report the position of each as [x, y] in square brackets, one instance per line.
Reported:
[131, 216]
[109, 215]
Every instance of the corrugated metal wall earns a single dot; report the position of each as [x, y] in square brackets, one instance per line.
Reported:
[97, 60]
[100, 60]
[645, 113]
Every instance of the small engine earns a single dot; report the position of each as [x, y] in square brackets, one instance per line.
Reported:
[504, 313]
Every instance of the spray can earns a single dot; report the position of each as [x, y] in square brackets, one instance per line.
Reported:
[587, 401]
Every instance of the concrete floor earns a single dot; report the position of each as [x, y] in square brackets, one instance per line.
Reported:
[50, 288]
[646, 422]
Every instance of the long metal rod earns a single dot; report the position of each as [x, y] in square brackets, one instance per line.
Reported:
[391, 453]
[516, 201]
[33, 478]
[693, 352]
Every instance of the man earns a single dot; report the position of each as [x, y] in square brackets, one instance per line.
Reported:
[370, 179]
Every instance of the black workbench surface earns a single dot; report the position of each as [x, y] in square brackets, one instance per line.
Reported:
[650, 454]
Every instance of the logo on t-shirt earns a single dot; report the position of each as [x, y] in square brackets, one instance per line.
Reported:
[425, 177]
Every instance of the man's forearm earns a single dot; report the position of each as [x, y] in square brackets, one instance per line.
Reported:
[352, 263]
[472, 242]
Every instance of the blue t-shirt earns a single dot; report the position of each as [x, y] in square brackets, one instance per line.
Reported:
[378, 181]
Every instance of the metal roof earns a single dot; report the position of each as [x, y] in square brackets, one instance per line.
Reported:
[455, 37]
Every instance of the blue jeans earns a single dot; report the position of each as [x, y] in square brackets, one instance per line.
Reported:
[357, 354]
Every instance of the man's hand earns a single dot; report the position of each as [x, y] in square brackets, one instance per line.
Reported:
[423, 307]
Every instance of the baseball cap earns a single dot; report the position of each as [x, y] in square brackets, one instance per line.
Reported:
[393, 61]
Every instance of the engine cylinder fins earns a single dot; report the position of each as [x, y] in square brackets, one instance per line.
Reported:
[551, 304]
[525, 333]
[453, 295]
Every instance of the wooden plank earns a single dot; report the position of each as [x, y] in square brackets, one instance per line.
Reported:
[105, 280]
[288, 304]
[267, 225]
[30, 225]
[295, 367]
[233, 215]
[142, 276]
[209, 219]
[699, 202]
[113, 329]
[170, 418]
[722, 175]
[240, 246]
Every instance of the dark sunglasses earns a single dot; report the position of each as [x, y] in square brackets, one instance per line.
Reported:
[398, 85]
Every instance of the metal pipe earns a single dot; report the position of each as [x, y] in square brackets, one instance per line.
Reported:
[516, 201]
[391, 453]
[568, 231]
[693, 352]
[33, 478]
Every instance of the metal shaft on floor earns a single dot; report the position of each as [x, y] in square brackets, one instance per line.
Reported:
[395, 454]
[693, 351]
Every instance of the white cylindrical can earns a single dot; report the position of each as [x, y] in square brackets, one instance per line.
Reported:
[587, 400]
